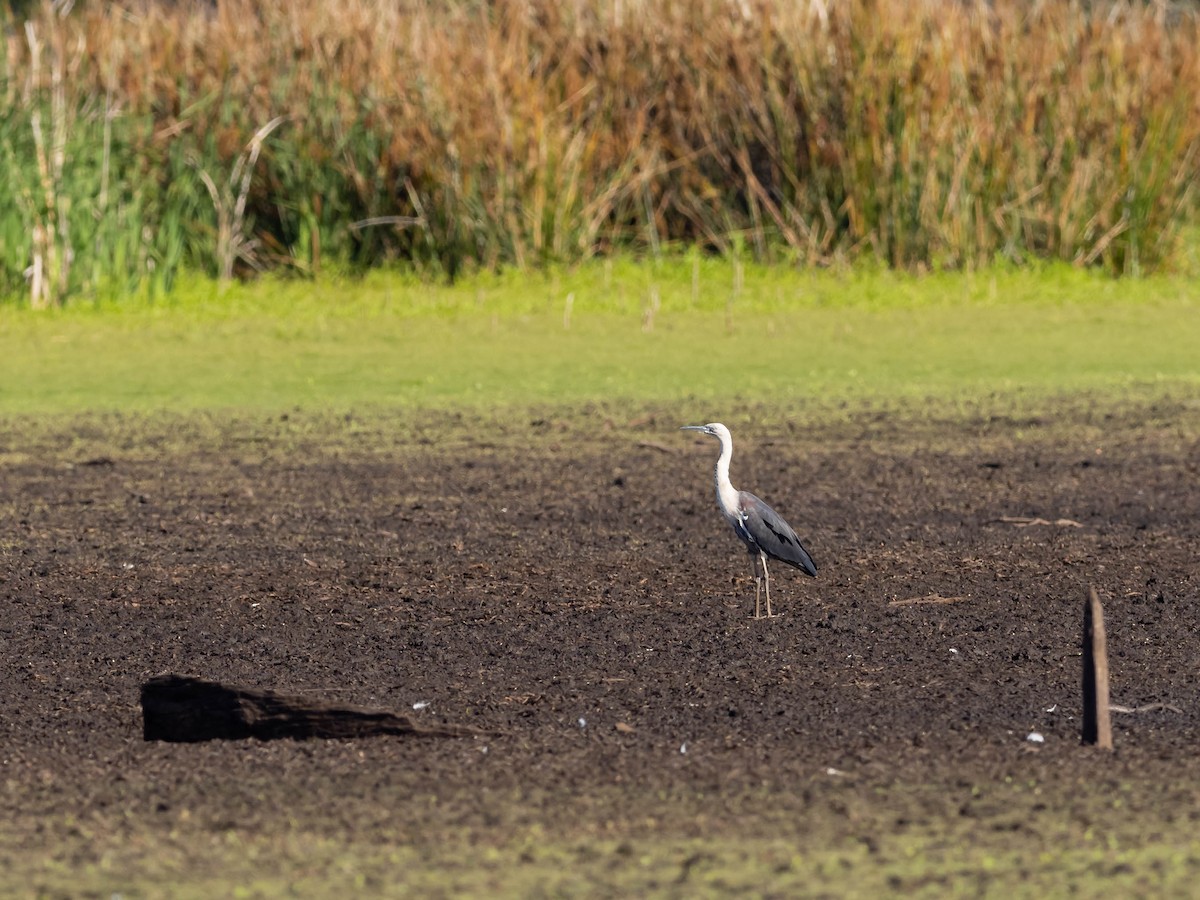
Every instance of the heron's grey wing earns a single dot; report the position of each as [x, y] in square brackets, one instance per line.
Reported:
[775, 536]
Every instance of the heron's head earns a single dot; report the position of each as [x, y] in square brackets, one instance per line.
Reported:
[716, 429]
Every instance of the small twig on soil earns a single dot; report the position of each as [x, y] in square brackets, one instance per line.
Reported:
[928, 598]
[652, 445]
[1149, 707]
[1026, 521]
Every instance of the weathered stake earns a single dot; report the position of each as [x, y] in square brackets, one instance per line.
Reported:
[1097, 725]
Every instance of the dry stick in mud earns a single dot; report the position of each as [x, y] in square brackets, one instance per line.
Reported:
[1097, 726]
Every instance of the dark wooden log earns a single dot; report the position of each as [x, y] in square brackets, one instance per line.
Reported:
[1097, 723]
[183, 709]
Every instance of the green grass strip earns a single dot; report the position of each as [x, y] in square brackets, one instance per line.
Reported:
[694, 335]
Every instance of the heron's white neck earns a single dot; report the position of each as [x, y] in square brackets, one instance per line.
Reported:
[727, 495]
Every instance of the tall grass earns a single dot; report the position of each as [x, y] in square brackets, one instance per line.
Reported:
[241, 135]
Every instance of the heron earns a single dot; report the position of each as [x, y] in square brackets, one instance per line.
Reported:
[762, 530]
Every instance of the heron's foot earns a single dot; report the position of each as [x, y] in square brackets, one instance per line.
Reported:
[768, 616]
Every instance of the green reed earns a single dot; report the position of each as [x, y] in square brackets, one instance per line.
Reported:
[149, 138]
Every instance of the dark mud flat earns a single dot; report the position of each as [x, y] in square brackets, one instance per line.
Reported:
[576, 597]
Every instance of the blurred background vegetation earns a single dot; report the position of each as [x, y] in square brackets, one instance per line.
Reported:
[142, 140]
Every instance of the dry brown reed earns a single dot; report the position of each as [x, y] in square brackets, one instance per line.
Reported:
[492, 132]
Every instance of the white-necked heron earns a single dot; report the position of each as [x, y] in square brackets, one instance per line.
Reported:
[762, 530]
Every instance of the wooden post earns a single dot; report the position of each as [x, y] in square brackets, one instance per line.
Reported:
[1097, 725]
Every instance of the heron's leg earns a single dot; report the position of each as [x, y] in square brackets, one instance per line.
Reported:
[757, 583]
[767, 584]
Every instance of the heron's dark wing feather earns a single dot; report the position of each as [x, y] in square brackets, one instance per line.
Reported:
[772, 534]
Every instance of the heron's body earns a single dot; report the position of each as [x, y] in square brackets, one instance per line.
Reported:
[761, 529]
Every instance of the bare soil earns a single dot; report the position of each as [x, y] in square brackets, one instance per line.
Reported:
[566, 585]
